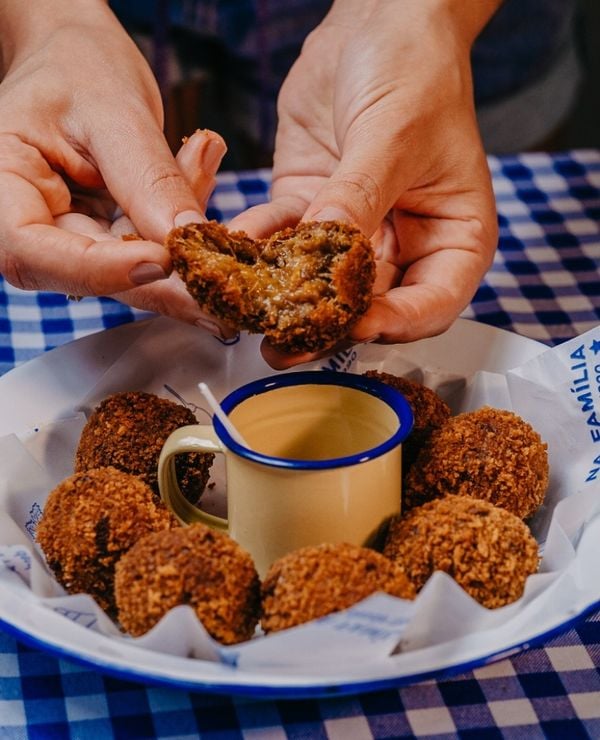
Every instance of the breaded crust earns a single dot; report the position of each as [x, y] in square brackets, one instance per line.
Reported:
[314, 581]
[89, 520]
[127, 430]
[489, 453]
[303, 288]
[194, 565]
[429, 412]
[487, 550]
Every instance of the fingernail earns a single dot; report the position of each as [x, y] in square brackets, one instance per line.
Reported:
[212, 155]
[210, 327]
[188, 217]
[234, 339]
[329, 213]
[146, 272]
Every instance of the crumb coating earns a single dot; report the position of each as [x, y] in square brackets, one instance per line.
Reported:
[89, 520]
[429, 412]
[315, 581]
[487, 550]
[127, 431]
[197, 566]
[490, 453]
[303, 288]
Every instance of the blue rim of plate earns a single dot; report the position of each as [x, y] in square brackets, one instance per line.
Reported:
[383, 391]
[315, 691]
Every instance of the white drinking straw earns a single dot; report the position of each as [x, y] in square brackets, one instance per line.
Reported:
[221, 415]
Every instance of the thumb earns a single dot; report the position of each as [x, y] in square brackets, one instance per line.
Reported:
[361, 190]
[143, 177]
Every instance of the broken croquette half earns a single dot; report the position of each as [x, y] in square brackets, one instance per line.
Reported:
[485, 549]
[128, 430]
[491, 454]
[303, 287]
[194, 565]
[314, 581]
[89, 520]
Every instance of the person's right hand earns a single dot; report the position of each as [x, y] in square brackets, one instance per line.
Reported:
[80, 137]
[377, 128]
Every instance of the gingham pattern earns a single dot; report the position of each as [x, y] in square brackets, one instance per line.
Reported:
[544, 284]
[545, 280]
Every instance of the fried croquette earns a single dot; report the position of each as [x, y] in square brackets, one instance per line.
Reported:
[127, 430]
[317, 580]
[490, 454]
[89, 520]
[429, 412]
[194, 565]
[487, 550]
[303, 288]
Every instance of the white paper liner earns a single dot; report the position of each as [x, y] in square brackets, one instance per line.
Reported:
[557, 391]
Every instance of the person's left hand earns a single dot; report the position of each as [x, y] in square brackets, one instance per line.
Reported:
[94, 214]
[377, 127]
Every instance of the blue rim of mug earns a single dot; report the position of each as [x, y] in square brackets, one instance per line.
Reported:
[383, 391]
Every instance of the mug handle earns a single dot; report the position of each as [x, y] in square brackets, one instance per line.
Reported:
[190, 438]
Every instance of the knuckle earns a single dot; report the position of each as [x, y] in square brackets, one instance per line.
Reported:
[162, 177]
[362, 189]
[488, 234]
[8, 143]
[10, 160]
[21, 158]
[16, 272]
[86, 285]
[483, 239]
[92, 277]
[15, 153]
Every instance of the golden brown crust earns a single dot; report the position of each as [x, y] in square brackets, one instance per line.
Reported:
[194, 565]
[127, 430]
[490, 453]
[303, 288]
[315, 581]
[487, 550]
[429, 412]
[89, 520]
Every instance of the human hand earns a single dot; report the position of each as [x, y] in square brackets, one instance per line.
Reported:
[80, 143]
[377, 127]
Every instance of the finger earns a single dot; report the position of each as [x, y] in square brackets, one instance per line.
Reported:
[170, 298]
[290, 198]
[387, 276]
[142, 175]
[284, 360]
[400, 316]
[199, 159]
[26, 162]
[79, 223]
[267, 218]
[361, 190]
[37, 255]
[281, 360]
[432, 294]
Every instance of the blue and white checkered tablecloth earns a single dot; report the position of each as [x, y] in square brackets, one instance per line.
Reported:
[544, 284]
